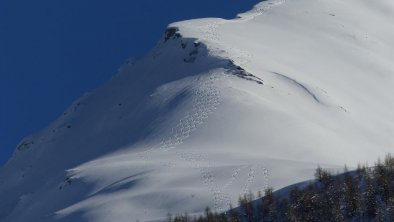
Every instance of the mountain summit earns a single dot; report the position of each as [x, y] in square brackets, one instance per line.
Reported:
[217, 108]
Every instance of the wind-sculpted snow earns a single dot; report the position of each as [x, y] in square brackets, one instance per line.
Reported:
[299, 85]
[217, 109]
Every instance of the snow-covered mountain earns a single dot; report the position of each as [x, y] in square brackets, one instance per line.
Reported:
[217, 108]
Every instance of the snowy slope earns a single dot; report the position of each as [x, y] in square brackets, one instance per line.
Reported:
[218, 107]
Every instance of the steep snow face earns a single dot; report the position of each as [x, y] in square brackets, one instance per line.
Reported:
[218, 108]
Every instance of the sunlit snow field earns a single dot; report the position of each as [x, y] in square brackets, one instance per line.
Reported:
[216, 109]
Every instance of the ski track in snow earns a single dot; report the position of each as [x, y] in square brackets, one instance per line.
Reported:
[173, 165]
[234, 177]
[206, 99]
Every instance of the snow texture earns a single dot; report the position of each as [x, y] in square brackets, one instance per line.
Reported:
[217, 108]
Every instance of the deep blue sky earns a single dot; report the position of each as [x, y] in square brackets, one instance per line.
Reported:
[52, 51]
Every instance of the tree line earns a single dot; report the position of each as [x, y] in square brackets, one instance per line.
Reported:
[366, 194]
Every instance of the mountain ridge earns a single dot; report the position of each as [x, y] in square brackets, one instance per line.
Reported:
[217, 108]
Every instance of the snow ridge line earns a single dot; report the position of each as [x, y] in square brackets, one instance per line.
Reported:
[210, 29]
[205, 101]
[259, 10]
[207, 98]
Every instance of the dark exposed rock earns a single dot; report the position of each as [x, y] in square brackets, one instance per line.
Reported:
[171, 32]
[25, 145]
[242, 73]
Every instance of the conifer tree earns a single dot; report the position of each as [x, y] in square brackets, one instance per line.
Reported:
[370, 199]
[351, 197]
[390, 209]
[234, 215]
[269, 210]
